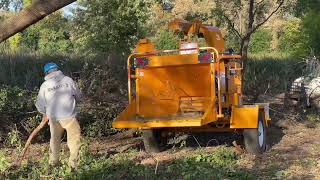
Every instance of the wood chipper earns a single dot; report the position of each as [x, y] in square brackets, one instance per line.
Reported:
[190, 89]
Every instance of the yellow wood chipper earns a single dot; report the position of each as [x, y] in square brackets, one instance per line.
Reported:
[190, 89]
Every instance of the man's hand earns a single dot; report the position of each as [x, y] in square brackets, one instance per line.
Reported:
[45, 119]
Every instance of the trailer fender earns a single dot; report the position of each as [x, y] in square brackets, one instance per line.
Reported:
[243, 117]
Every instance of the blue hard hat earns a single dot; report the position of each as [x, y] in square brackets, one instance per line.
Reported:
[49, 66]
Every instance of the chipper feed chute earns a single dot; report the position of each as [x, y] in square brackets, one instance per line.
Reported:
[171, 91]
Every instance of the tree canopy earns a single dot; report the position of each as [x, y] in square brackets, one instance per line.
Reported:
[98, 26]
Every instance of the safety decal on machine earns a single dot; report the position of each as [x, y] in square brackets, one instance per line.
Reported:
[205, 57]
[140, 72]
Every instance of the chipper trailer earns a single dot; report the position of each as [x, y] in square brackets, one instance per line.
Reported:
[190, 89]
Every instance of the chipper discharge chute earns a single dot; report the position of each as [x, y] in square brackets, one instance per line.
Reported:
[190, 89]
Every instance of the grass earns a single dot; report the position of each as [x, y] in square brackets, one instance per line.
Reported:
[270, 74]
[25, 70]
[306, 162]
[264, 74]
[312, 117]
[220, 164]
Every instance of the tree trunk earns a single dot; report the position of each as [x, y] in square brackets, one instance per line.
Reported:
[244, 47]
[30, 15]
[246, 39]
[244, 50]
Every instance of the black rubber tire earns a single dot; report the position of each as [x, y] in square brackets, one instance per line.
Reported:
[153, 141]
[251, 138]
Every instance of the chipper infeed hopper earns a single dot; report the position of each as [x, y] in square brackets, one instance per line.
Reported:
[190, 89]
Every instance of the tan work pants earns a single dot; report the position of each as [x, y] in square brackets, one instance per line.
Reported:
[73, 140]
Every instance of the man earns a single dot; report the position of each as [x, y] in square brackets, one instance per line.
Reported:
[57, 101]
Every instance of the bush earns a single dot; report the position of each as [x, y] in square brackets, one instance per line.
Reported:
[108, 94]
[17, 113]
[166, 39]
[270, 74]
[310, 27]
[103, 86]
[4, 163]
[292, 40]
[261, 41]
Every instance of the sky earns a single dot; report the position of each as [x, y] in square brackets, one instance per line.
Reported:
[68, 9]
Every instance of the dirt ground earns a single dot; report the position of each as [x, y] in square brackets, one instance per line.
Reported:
[293, 153]
[293, 148]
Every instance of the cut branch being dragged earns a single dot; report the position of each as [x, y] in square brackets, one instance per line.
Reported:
[30, 138]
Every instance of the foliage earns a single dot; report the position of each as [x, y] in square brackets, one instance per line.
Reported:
[270, 74]
[303, 6]
[27, 3]
[260, 41]
[250, 16]
[103, 86]
[219, 164]
[107, 93]
[163, 12]
[301, 33]
[55, 35]
[14, 139]
[25, 70]
[4, 163]
[15, 41]
[31, 37]
[232, 41]
[14, 103]
[9, 101]
[312, 117]
[105, 27]
[311, 26]
[50, 36]
[292, 40]
[166, 39]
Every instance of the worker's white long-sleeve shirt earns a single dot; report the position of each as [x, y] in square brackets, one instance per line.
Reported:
[57, 96]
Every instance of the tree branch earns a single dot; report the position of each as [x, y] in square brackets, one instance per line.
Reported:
[231, 24]
[265, 20]
[29, 15]
[251, 15]
[258, 3]
[257, 6]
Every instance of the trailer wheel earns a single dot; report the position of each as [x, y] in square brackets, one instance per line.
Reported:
[153, 141]
[255, 139]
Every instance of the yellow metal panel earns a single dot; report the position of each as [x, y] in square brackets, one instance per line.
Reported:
[213, 37]
[127, 123]
[244, 117]
[128, 119]
[194, 103]
[172, 60]
[210, 115]
[161, 89]
[144, 45]
[127, 114]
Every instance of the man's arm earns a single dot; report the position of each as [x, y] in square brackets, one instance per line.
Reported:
[41, 102]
